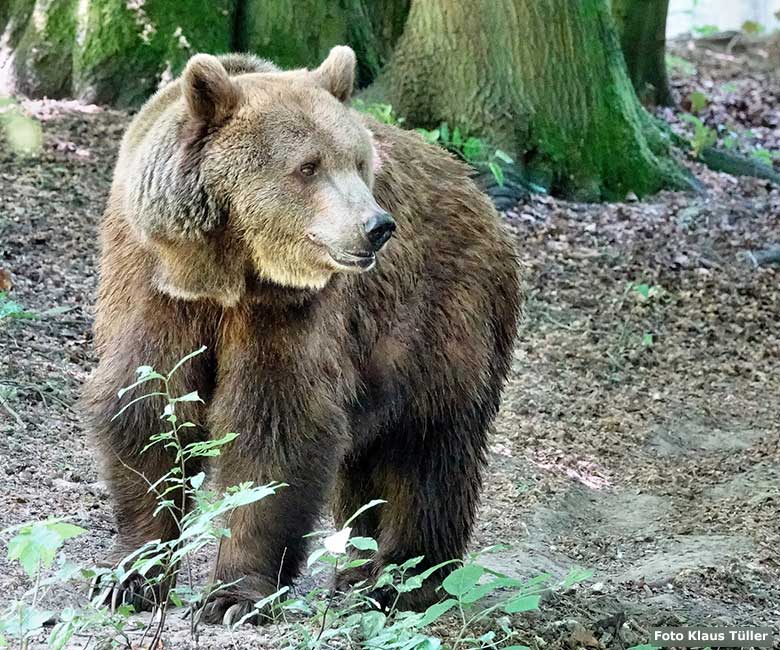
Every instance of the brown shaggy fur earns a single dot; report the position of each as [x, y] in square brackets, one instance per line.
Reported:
[347, 386]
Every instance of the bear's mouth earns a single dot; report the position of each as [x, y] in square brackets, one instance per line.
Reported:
[361, 261]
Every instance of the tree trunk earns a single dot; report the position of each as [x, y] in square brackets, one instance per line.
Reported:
[295, 33]
[642, 28]
[43, 54]
[106, 51]
[127, 48]
[542, 79]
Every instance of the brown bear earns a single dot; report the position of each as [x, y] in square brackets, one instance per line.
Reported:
[358, 297]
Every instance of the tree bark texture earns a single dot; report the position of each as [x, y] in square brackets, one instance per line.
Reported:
[120, 51]
[106, 51]
[294, 33]
[543, 79]
[642, 28]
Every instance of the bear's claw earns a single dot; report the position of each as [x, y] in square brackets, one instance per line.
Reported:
[230, 609]
[133, 590]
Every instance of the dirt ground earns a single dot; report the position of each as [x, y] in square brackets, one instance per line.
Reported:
[639, 437]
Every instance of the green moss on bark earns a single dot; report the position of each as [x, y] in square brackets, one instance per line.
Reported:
[641, 25]
[299, 33]
[43, 56]
[14, 15]
[545, 81]
[126, 49]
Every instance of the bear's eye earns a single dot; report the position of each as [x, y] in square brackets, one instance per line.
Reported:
[308, 169]
[362, 167]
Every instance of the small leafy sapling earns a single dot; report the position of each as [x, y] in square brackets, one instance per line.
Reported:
[159, 564]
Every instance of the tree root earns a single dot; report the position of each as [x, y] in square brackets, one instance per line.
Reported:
[724, 161]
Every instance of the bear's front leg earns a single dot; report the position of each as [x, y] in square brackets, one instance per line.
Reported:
[292, 429]
[155, 333]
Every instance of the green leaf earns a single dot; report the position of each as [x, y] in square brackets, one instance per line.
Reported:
[497, 172]
[444, 132]
[197, 480]
[36, 544]
[503, 156]
[11, 309]
[522, 604]
[60, 635]
[437, 610]
[412, 562]
[185, 359]
[315, 555]
[371, 624]
[362, 509]
[480, 591]
[364, 543]
[706, 30]
[472, 149]
[431, 137]
[679, 64]
[190, 397]
[575, 575]
[698, 101]
[752, 27]
[642, 290]
[263, 602]
[66, 530]
[457, 138]
[462, 579]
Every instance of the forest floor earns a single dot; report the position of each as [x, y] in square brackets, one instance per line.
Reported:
[639, 435]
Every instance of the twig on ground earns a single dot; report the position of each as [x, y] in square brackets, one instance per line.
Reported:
[12, 413]
[764, 257]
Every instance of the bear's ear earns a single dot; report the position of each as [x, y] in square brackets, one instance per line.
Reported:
[210, 94]
[336, 74]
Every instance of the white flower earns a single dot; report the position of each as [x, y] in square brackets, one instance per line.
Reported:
[337, 542]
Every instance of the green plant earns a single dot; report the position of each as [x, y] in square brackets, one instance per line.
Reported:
[473, 150]
[22, 132]
[699, 101]
[380, 112]
[35, 547]
[646, 292]
[706, 30]
[752, 27]
[703, 136]
[765, 156]
[472, 595]
[680, 65]
[11, 309]
[158, 563]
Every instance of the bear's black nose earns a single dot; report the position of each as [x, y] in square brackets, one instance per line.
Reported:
[379, 228]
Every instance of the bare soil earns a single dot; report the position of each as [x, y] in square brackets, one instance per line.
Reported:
[639, 437]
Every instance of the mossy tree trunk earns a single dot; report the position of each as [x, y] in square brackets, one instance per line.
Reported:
[295, 33]
[119, 51]
[642, 28]
[128, 49]
[106, 51]
[542, 79]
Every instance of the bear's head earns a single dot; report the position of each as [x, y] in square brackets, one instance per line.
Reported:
[269, 176]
